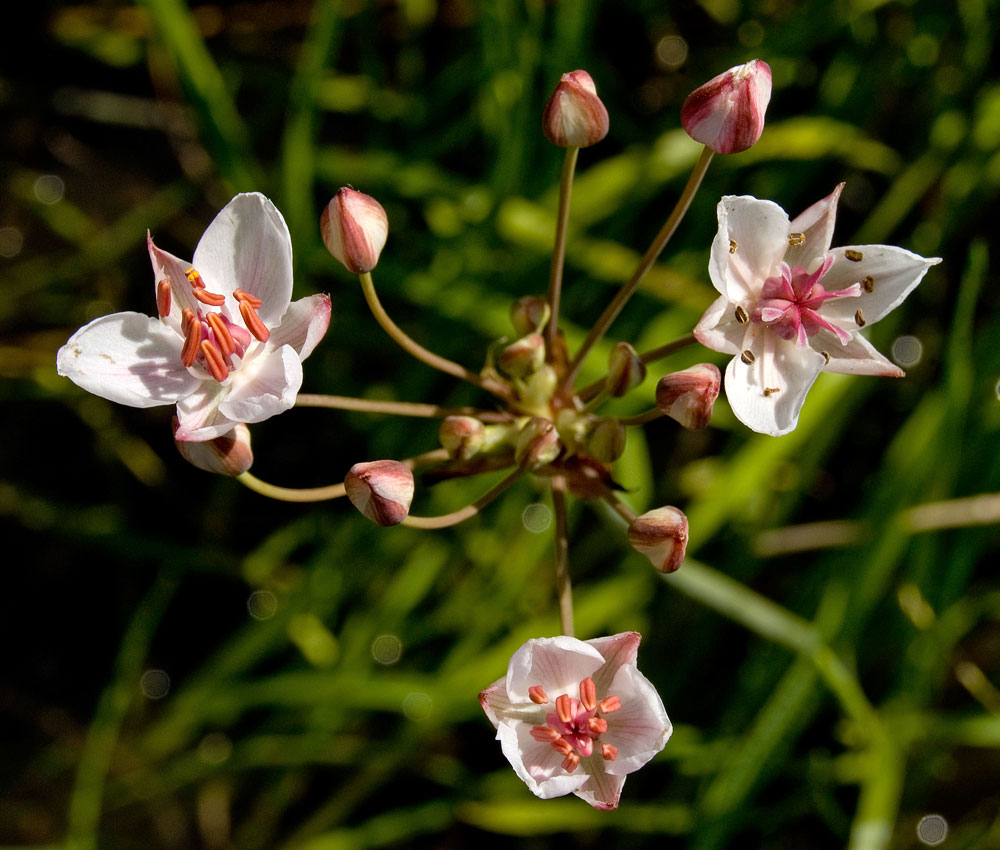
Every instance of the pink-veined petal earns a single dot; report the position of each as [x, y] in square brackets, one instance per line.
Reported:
[558, 664]
[198, 416]
[127, 358]
[616, 650]
[640, 728]
[857, 357]
[602, 789]
[303, 325]
[816, 226]
[536, 763]
[264, 386]
[719, 329]
[751, 241]
[167, 266]
[247, 246]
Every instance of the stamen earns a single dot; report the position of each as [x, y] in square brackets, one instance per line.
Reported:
[747, 356]
[796, 238]
[192, 339]
[253, 322]
[609, 751]
[194, 278]
[741, 314]
[571, 762]
[222, 335]
[609, 704]
[859, 318]
[545, 734]
[770, 391]
[562, 746]
[564, 707]
[213, 299]
[538, 695]
[826, 354]
[163, 298]
[868, 284]
[597, 725]
[733, 245]
[214, 362]
[252, 300]
[854, 256]
[187, 316]
[588, 694]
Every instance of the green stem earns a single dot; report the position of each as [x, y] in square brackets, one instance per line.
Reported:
[641, 418]
[564, 584]
[397, 408]
[454, 518]
[559, 249]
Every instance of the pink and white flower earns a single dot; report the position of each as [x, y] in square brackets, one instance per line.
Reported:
[791, 307]
[227, 346]
[577, 716]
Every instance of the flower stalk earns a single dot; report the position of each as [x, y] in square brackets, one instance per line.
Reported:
[559, 248]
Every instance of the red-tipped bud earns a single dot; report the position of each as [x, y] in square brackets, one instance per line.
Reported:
[229, 454]
[688, 396]
[523, 357]
[381, 489]
[354, 228]
[727, 113]
[529, 314]
[606, 441]
[462, 436]
[661, 535]
[538, 443]
[625, 370]
[574, 117]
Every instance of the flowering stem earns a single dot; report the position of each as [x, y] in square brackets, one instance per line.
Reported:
[650, 356]
[559, 249]
[454, 518]
[564, 586]
[642, 418]
[645, 264]
[416, 350]
[398, 408]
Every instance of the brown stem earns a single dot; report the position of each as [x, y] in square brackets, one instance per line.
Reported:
[564, 585]
[559, 249]
[397, 408]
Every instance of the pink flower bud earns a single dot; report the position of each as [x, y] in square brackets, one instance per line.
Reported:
[354, 228]
[727, 113]
[462, 436]
[625, 370]
[381, 489]
[523, 357]
[538, 443]
[229, 454]
[529, 314]
[688, 396]
[574, 117]
[661, 535]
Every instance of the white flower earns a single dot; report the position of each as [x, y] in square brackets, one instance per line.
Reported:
[577, 716]
[227, 346]
[791, 307]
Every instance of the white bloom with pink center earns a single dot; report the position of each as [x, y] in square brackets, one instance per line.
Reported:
[227, 346]
[577, 716]
[791, 307]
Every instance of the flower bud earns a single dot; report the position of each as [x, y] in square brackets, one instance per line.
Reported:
[607, 441]
[727, 113]
[538, 443]
[229, 454]
[661, 535]
[354, 228]
[529, 314]
[381, 489]
[688, 396]
[523, 357]
[574, 428]
[574, 117]
[462, 436]
[535, 391]
[625, 370]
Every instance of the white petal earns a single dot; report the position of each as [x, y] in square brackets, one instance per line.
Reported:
[760, 231]
[264, 386]
[602, 790]
[167, 266]
[198, 416]
[127, 358]
[558, 664]
[816, 225]
[536, 763]
[303, 325]
[858, 357]
[616, 650]
[640, 728]
[895, 272]
[718, 328]
[247, 247]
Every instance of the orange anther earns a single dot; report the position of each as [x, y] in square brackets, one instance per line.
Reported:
[214, 361]
[187, 316]
[609, 751]
[597, 725]
[192, 339]
[222, 335]
[252, 300]
[194, 278]
[588, 694]
[545, 734]
[562, 746]
[538, 695]
[213, 299]
[163, 298]
[253, 322]
[564, 708]
[610, 704]
[571, 762]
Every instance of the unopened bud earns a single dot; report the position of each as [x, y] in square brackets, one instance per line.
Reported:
[688, 396]
[523, 357]
[529, 314]
[538, 443]
[354, 228]
[574, 117]
[462, 436]
[727, 113]
[574, 428]
[381, 489]
[661, 535]
[535, 391]
[625, 370]
[229, 454]
[607, 441]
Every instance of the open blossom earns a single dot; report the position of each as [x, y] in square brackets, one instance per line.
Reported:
[577, 716]
[227, 346]
[791, 307]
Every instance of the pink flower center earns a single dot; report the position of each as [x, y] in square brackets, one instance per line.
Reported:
[576, 724]
[790, 303]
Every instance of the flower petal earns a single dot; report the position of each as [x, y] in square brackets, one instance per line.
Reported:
[264, 386]
[198, 416]
[602, 789]
[127, 358]
[894, 273]
[536, 763]
[558, 664]
[303, 325]
[816, 226]
[616, 650]
[718, 329]
[247, 247]
[759, 230]
[640, 728]
[858, 357]
[167, 266]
